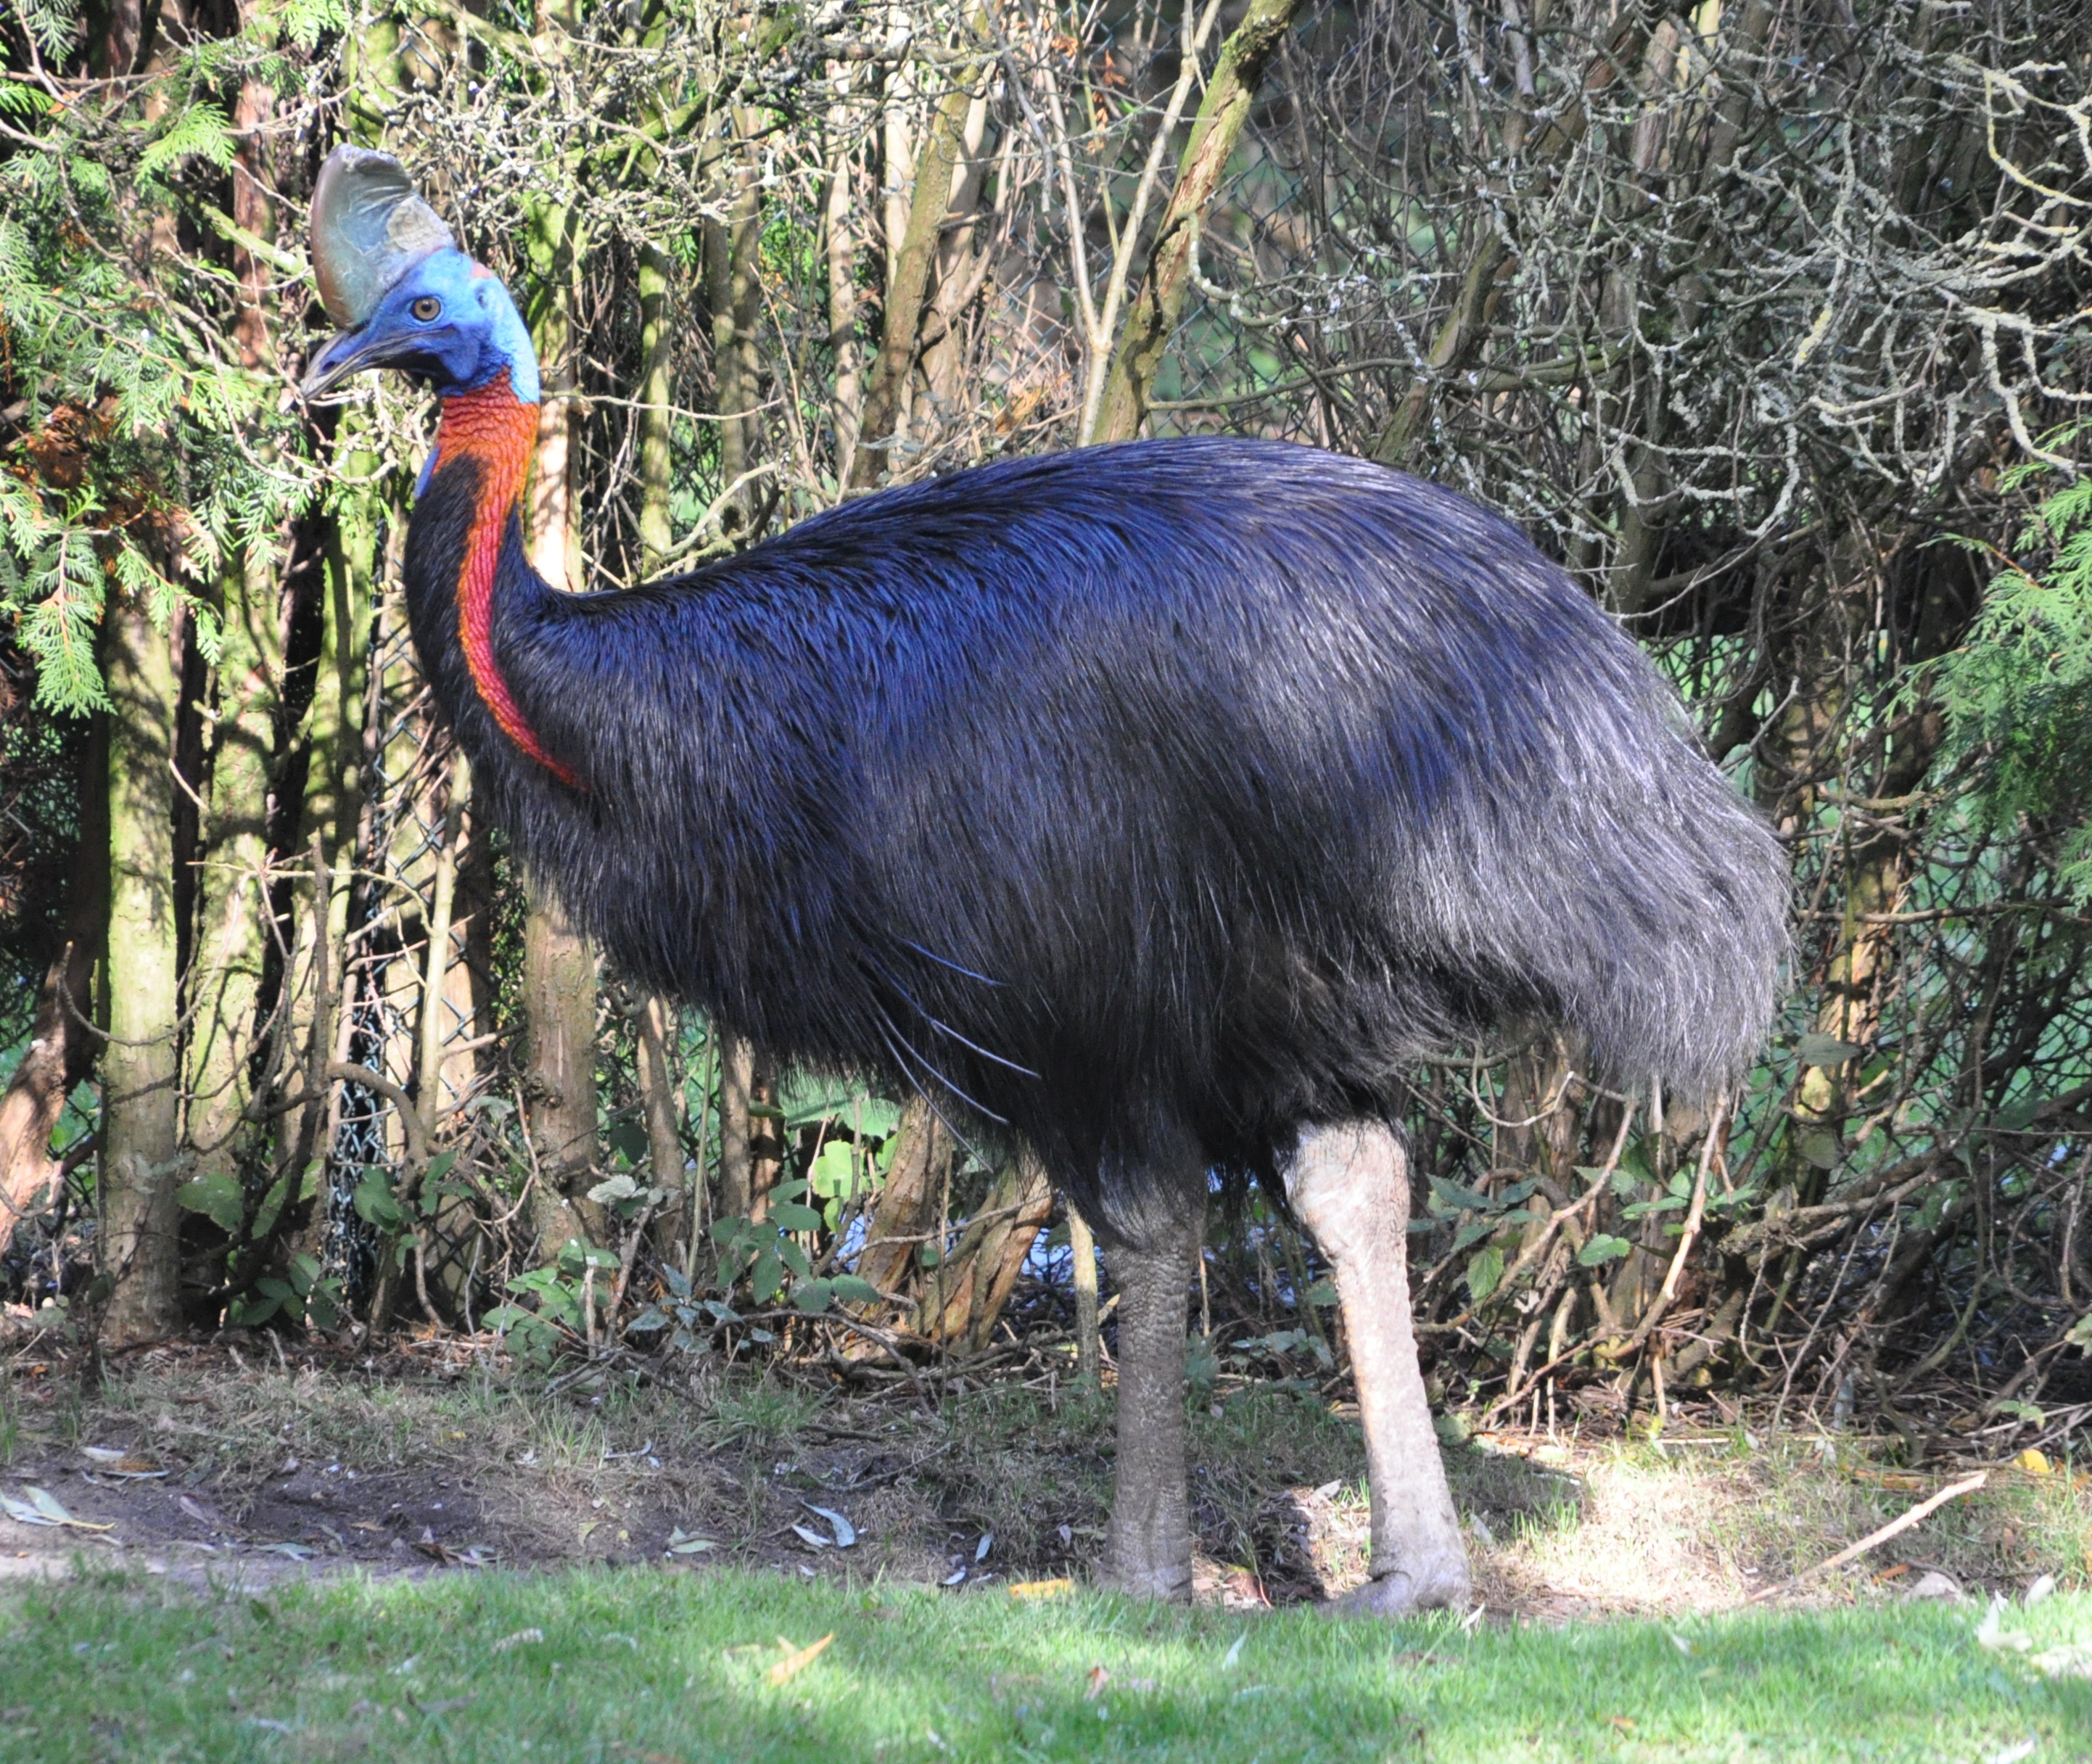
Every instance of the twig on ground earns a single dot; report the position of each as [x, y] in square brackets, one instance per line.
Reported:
[1895, 1528]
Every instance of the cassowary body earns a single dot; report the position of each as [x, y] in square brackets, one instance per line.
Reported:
[1153, 804]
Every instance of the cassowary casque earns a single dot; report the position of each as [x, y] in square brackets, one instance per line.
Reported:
[1151, 806]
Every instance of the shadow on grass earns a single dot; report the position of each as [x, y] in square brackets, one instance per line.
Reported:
[653, 1667]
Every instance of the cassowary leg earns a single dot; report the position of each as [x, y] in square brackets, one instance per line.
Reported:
[1147, 1545]
[1349, 1185]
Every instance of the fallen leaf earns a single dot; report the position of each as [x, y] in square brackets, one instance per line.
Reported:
[1040, 1589]
[533, 1633]
[2035, 1462]
[845, 1531]
[43, 1508]
[808, 1537]
[1094, 1685]
[797, 1660]
[1991, 1634]
[987, 1543]
[955, 1576]
[2069, 1660]
[683, 1543]
[1625, 1724]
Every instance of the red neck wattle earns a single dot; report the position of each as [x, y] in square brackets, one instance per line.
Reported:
[497, 431]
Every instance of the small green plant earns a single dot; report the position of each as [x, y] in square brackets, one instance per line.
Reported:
[303, 1292]
[561, 1298]
[689, 1318]
[768, 1254]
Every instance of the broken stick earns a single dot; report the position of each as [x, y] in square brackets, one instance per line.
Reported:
[1931, 1504]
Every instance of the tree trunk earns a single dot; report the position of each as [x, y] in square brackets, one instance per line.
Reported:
[225, 982]
[558, 967]
[733, 293]
[659, 1030]
[908, 280]
[1157, 308]
[657, 397]
[840, 240]
[751, 1147]
[141, 1108]
[61, 1048]
[908, 1203]
[973, 1287]
[957, 285]
[559, 1001]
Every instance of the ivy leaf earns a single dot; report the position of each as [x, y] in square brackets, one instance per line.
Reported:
[1484, 1273]
[375, 1205]
[767, 1276]
[1466, 1199]
[216, 1196]
[1601, 1249]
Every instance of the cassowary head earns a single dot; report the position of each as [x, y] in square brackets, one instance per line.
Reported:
[405, 296]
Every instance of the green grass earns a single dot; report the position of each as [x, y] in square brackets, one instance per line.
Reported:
[651, 1666]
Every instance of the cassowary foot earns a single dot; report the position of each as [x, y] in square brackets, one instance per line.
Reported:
[1434, 1585]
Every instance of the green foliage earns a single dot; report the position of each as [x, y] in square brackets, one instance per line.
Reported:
[560, 1300]
[138, 455]
[306, 1295]
[766, 1252]
[2018, 693]
[1600, 1248]
[53, 24]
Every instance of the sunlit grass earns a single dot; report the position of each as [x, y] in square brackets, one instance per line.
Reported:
[648, 1665]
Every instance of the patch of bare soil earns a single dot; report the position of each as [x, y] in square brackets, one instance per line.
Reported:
[253, 1461]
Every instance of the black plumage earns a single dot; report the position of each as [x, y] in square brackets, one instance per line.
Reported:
[1179, 788]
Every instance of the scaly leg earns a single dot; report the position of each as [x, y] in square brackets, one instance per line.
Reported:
[1349, 1185]
[1147, 1546]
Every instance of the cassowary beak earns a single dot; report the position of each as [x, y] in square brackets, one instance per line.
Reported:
[349, 353]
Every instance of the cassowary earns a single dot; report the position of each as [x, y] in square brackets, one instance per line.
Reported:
[1151, 806]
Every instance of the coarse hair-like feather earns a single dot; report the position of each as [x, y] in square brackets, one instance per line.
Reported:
[1177, 792]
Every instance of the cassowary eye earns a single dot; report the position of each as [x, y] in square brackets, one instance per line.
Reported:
[426, 308]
